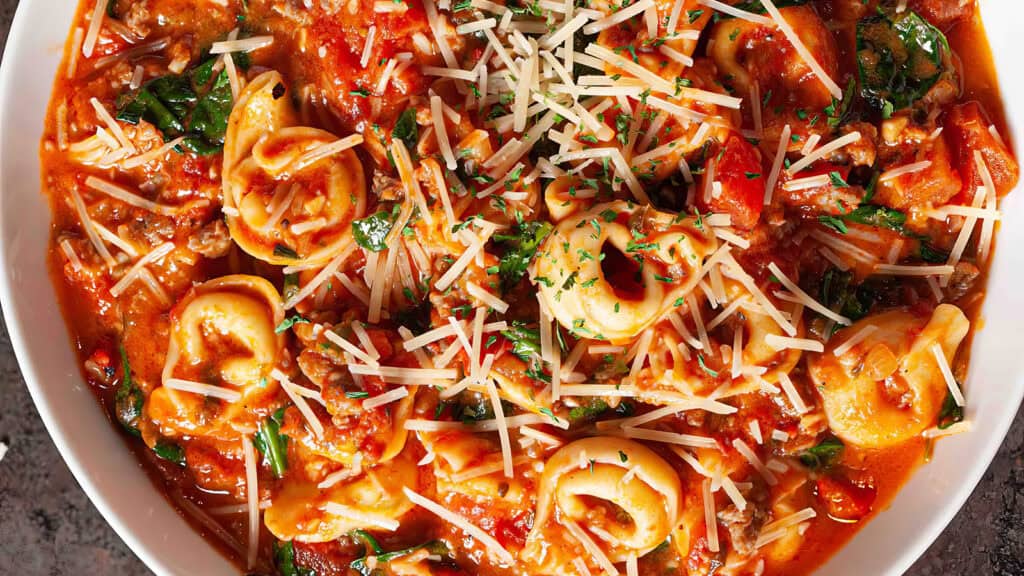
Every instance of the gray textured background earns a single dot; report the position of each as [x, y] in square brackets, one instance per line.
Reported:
[49, 527]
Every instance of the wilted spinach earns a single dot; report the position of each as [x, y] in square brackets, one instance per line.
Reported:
[525, 341]
[838, 293]
[596, 408]
[879, 216]
[170, 451]
[272, 444]
[284, 559]
[435, 547]
[899, 58]
[823, 455]
[406, 129]
[128, 399]
[372, 232]
[195, 105]
[520, 247]
[950, 413]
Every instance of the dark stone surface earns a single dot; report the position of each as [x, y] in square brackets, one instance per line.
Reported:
[49, 527]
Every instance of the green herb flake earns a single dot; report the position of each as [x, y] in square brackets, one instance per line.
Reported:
[704, 367]
[823, 455]
[289, 322]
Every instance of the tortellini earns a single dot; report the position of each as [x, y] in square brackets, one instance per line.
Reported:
[300, 510]
[888, 387]
[748, 52]
[756, 351]
[614, 270]
[283, 202]
[222, 334]
[619, 491]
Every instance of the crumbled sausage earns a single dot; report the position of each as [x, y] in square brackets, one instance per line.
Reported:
[211, 241]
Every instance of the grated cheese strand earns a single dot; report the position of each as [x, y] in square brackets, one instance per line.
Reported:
[461, 522]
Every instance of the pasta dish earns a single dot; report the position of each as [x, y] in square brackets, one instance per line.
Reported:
[527, 287]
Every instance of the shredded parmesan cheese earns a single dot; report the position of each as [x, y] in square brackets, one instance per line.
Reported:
[754, 461]
[780, 156]
[947, 374]
[461, 522]
[802, 50]
[823, 151]
[226, 394]
[252, 497]
[857, 337]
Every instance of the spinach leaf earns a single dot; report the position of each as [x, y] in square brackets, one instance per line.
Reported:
[589, 411]
[520, 247]
[372, 231]
[290, 286]
[128, 399]
[416, 318]
[950, 413]
[595, 408]
[284, 559]
[209, 120]
[899, 58]
[839, 113]
[435, 547]
[837, 293]
[406, 129]
[930, 254]
[834, 222]
[370, 540]
[195, 105]
[869, 214]
[879, 216]
[525, 341]
[170, 451]
[757, 7]
[289, 322]
[272, 444]
[285, 251]
[474, 411]
[823, 455]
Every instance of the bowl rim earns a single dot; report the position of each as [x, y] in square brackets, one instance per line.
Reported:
[155, 556]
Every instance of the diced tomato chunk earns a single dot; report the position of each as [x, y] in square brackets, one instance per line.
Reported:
[934, 185]
[845, 500]
[835, 197]
[740, 172]
[942, 13]
[966, 128]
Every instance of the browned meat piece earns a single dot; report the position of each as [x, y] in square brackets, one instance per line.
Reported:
[211, 241]
[962, 281]
[905, 143]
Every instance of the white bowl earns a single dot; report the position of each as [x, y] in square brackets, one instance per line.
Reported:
[139, 513]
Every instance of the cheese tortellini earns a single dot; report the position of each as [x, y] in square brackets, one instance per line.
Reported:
[304, 512]
[614, 270]
[749, 52]
[283, 198]
[888, 387]
[757, 325]
[222, 334]
[617, 490]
